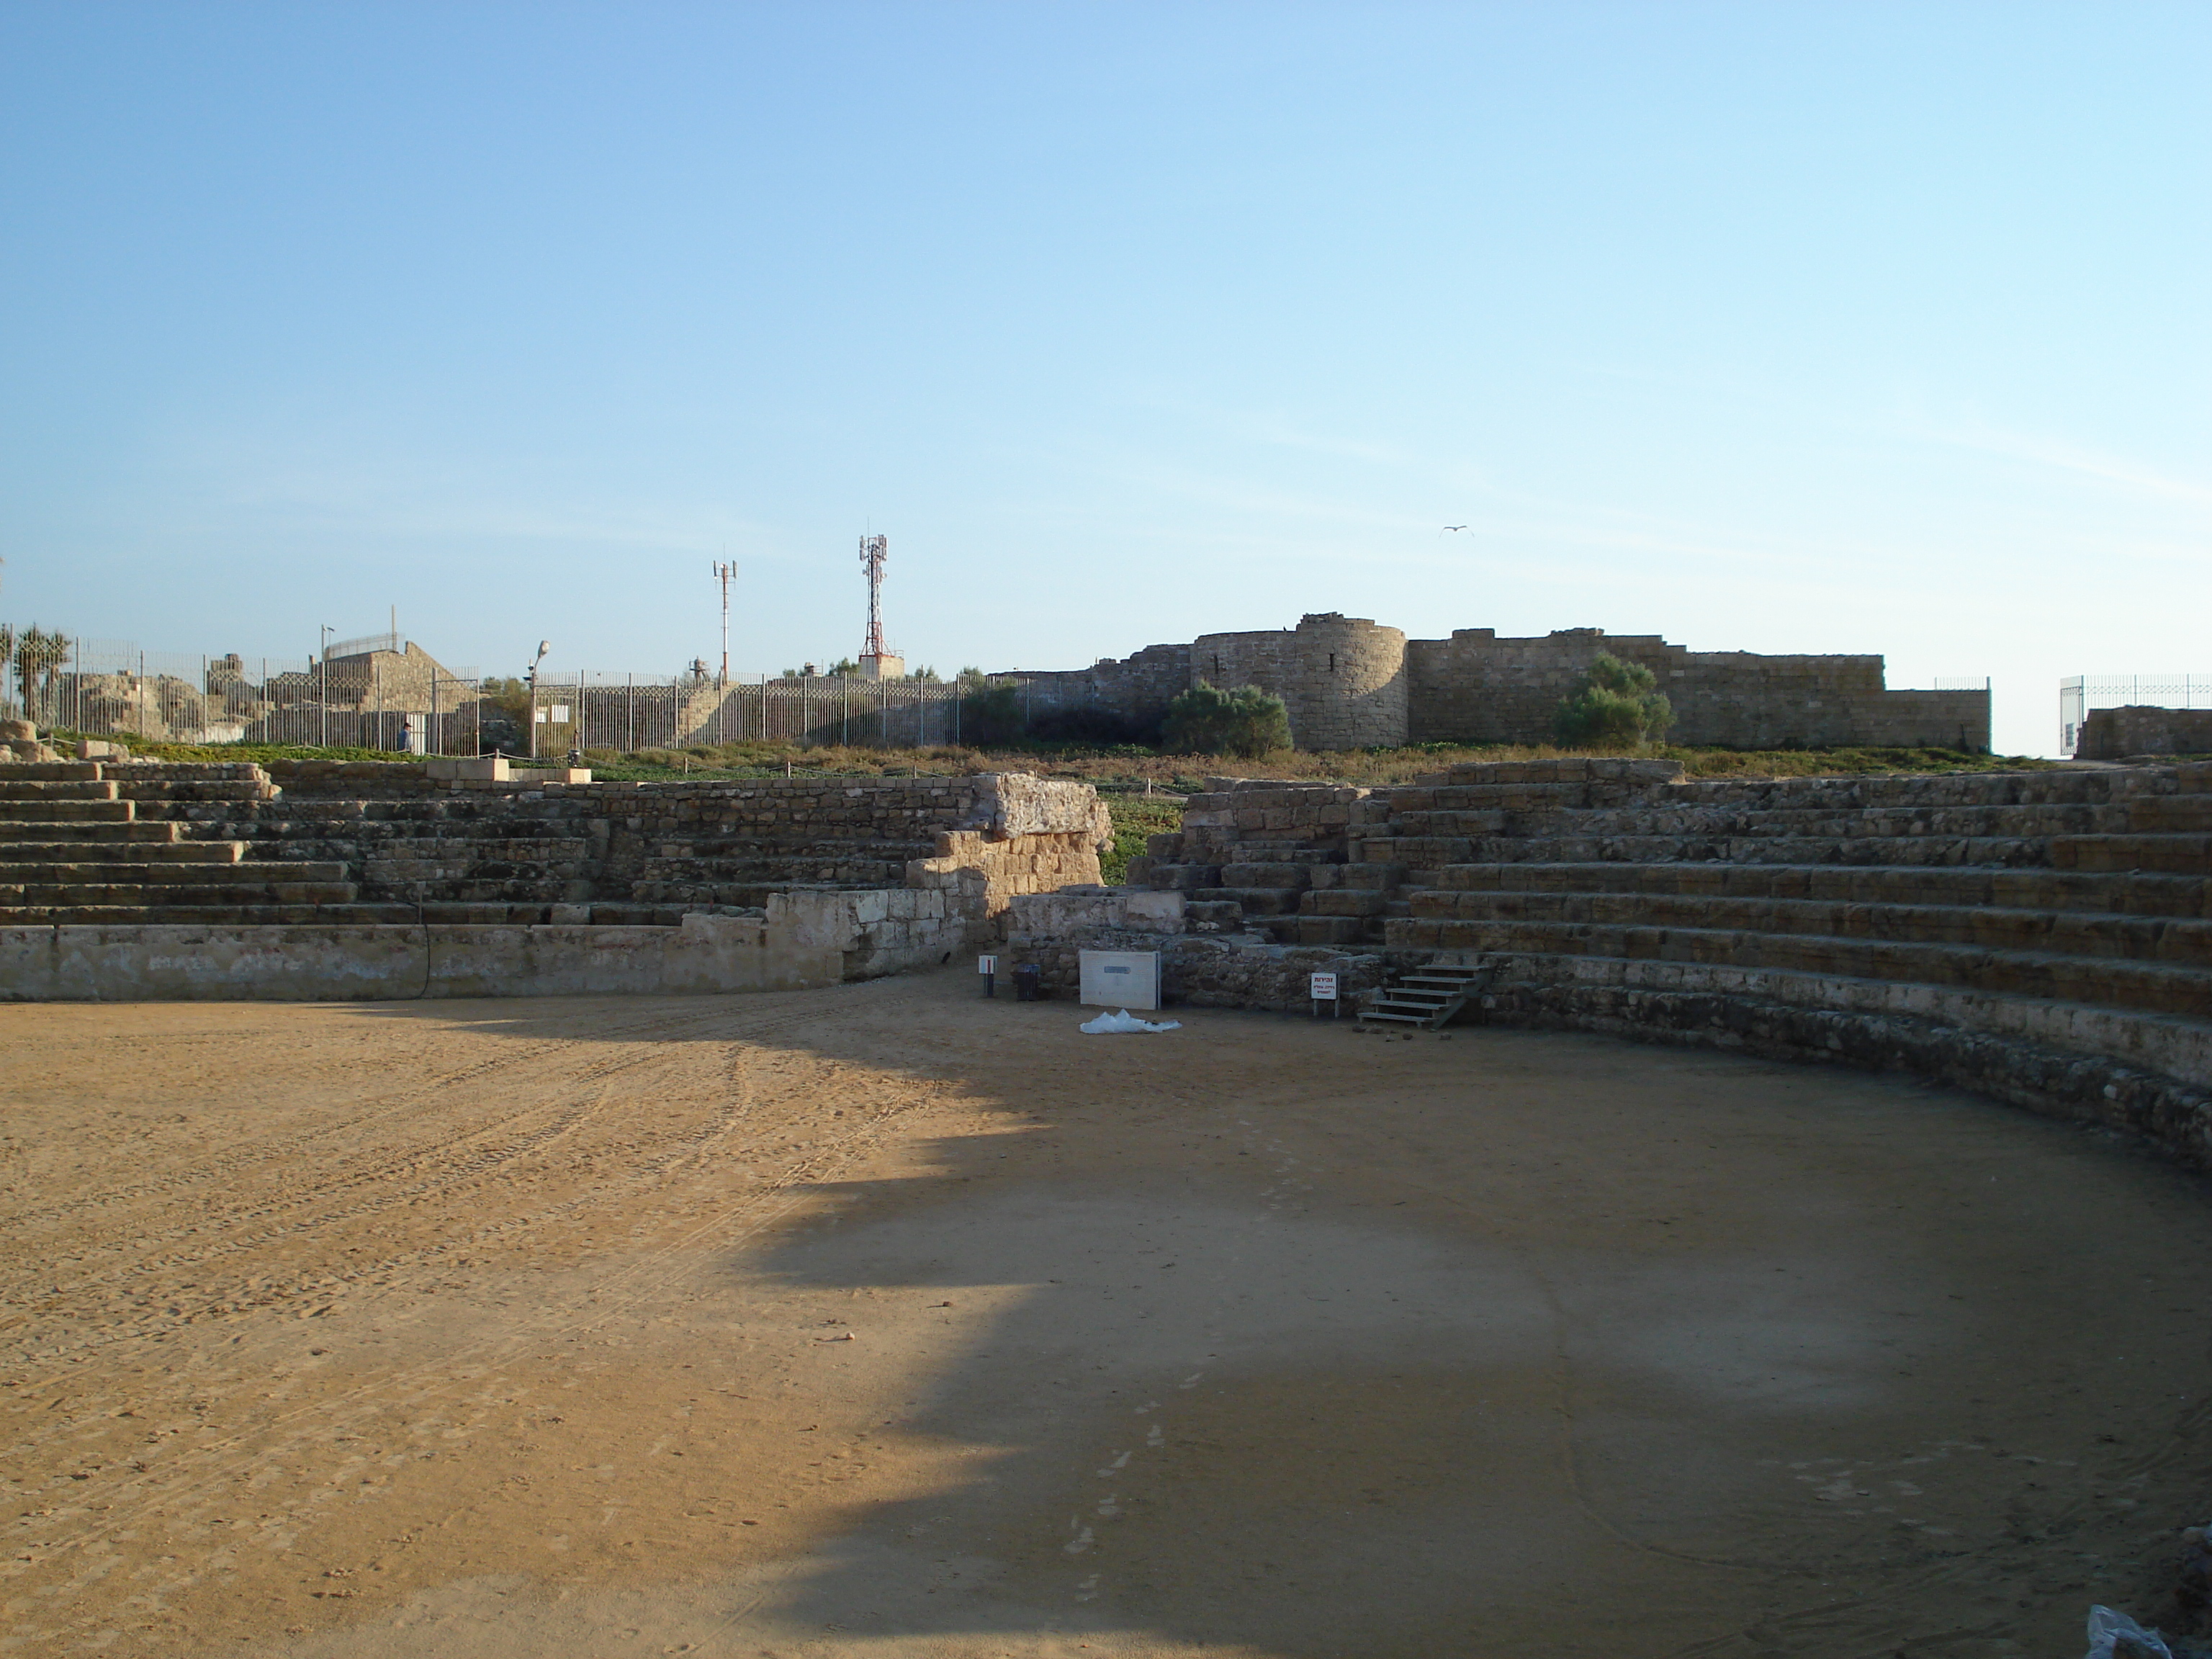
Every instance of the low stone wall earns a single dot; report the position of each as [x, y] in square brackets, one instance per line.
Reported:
[2171, 1113]
[1197, 972]
[802, 942]
[376, 963]
[2116, 733]
[1050, 931]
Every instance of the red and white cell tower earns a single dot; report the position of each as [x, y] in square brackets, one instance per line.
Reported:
[877, 661]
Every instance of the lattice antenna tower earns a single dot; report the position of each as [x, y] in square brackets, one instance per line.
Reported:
[874, 550]
[723, 572]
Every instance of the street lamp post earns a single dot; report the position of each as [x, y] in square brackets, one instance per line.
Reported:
[543, 645]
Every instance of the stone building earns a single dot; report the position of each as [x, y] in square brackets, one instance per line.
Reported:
[1349, 682]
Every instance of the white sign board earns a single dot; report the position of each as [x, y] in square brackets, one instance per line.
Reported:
[1324, 988]
[986, 964]
[1120, 978]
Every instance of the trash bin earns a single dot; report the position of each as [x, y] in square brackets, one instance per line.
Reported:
[1028, 983]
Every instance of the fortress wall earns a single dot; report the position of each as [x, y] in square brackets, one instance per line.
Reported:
[1475, 688]
[1341, 678]
[1349, 682]
[2109, 733]
[1135, 688]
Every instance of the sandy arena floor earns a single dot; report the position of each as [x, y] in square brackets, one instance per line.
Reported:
[891, 1322]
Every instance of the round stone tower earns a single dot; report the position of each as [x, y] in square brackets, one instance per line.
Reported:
[1348, 689]
[1342, 678]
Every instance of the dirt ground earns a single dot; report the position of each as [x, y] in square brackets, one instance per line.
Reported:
[887, 1320]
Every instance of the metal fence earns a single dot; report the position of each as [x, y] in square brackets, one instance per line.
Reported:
[626, 712]
[344, 698]
[2079, 693]
[108, 688]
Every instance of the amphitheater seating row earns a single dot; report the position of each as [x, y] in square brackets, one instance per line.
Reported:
[145, 842]
[2070, 907]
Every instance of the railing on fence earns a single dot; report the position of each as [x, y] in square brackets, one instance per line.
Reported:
[2079, 693]
[624, 712]
[111, 688]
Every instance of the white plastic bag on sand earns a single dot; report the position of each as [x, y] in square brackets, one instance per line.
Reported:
[2116, 1635]
[1107, 1024]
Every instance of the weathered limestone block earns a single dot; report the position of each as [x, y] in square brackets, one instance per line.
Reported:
[1343, 902]
[1072, 911]
[1008, 803]
[1292, 876]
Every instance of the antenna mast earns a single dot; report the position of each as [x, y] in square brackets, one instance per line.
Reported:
[723, 572]
[874, 550]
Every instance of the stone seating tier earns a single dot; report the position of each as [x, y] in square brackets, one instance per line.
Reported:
[2123, 893]
[2067, 910]
[92, 842]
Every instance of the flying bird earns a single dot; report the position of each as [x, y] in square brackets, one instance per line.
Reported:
[1451, 527]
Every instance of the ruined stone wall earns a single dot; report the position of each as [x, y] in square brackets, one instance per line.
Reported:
[1050, 931]
[994, 873]
[1475, 688]
[1349, 684]
[1137, 688]
[388, 680]
[2110, 733]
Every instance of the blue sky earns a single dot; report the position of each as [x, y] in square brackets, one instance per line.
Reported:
[1778, 327]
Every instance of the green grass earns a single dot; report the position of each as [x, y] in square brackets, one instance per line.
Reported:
[1135, 818]
[235, 753]
[1127, 767]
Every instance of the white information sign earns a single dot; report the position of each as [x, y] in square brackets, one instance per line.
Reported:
[986, 964]
[1324, 988]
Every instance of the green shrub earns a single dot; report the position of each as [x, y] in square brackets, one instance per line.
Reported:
[991, 712]
[1619, 704]
[1208, 720]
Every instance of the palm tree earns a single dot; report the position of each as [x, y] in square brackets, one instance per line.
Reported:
[39, 658]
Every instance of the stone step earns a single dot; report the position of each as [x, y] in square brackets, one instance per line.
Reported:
[1253, 901]
[2168, 813]
[211, 915]
[2102, 980]
[153, 771]
[1342, 902]
[208, 871]
[41, 861]
[1293, 876]
[66, 812]
[195, 789]
[1894, 850]
[1427, 996]
[1328, 930]
[180, 893]
[1183, 877]
[231, 912]
[50, 771]
[2053, 786]
[14, 789]
[80, 834]
[2067, 932]
[2173, 854]
[2121, 893]
[2104, 818]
